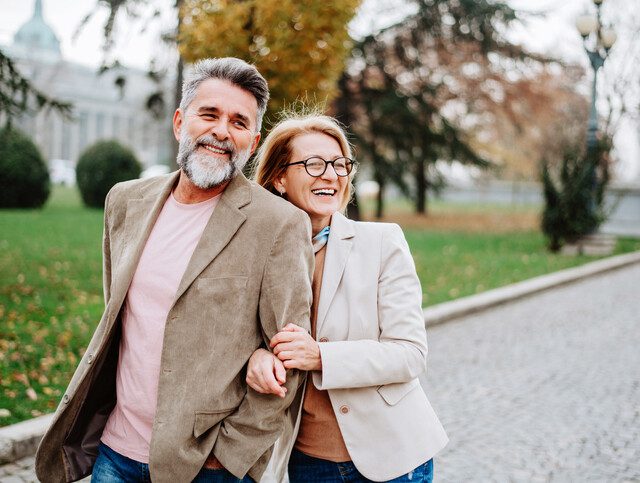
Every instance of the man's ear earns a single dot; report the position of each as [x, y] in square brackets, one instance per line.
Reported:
[177, 124]
[256, 140]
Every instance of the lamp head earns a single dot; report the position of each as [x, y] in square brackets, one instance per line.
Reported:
[608, 37]
[586, 24]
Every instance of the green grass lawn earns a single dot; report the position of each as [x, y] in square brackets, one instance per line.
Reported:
[452, 264]
[50, 300]
[51, 284]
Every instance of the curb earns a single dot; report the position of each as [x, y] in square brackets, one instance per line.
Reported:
[21, 440]
[446, 311]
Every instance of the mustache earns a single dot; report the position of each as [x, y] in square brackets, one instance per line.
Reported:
[212, 141]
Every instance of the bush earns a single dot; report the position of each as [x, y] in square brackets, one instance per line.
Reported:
[102, 165]
[23, 173]
[574, 195]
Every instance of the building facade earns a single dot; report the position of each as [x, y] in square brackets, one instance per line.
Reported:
[108, 105]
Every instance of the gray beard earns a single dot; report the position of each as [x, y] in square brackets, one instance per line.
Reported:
[206, 171]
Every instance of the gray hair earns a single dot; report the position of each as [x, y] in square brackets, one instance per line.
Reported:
[236, 71]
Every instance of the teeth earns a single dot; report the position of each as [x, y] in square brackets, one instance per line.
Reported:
[323, 191]
[214, 149]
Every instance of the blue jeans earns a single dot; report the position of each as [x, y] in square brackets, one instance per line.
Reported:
[112, 467]
[303, 468]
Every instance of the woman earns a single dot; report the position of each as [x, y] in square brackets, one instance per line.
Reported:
[362, 415]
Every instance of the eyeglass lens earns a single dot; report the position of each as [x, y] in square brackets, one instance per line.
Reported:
[317, 166]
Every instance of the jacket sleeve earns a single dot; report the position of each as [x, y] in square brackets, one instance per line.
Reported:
[285, 296]
[106, 253]
[400, 353]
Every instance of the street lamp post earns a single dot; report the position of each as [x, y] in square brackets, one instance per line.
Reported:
[597, 41]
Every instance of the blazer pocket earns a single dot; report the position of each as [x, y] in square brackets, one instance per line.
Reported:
[393, 393]
[205, 420]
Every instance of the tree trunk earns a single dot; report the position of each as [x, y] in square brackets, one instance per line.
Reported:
[177, 93]
[380, 198]
[421, 187]
[353, 208]
[342, 113]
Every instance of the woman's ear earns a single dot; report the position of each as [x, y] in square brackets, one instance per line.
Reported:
[279, 185]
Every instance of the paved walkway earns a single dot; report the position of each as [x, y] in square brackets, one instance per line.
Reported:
[544, 389]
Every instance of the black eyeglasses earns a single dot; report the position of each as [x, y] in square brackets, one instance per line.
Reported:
[316, 166]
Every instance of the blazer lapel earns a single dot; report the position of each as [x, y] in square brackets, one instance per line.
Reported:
[338, 249]
[139, 220]
[226, 220]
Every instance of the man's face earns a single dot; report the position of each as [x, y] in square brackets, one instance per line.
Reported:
[217, 133]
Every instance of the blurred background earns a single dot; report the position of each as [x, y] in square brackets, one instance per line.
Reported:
[502, 135]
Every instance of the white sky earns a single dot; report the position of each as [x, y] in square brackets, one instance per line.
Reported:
[554, 34]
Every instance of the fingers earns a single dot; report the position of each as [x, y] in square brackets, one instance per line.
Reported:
[273, 387]
[264, 380]
[281, 337]
[261, 373]
[286, 355]
[293, 328]
[287, 337]
[279, 371]
[284, 346]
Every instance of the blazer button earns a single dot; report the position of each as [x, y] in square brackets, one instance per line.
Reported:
[90, 359]
[324, 339]
[344, 409]
[65, 398]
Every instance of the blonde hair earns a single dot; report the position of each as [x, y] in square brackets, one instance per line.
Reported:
[276, 149]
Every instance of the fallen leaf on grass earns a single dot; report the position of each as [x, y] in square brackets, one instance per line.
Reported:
[31, 394]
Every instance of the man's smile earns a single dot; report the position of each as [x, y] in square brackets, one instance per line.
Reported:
[215, 149]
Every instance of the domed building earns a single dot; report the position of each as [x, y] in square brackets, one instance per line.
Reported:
[108, 105]
[35, 39]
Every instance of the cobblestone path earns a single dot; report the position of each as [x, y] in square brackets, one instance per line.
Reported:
[546, 389]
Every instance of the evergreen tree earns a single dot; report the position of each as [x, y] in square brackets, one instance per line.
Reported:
[444, 68]
[574, 205]
[17, 95]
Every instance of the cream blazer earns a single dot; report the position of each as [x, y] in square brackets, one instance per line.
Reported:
[373, 344]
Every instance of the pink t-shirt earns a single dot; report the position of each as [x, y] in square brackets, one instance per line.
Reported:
[162, 264]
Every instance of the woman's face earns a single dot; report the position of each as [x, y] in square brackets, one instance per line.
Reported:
[320, 197]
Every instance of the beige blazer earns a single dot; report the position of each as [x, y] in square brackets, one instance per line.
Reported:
[373, 344]
[232, 298]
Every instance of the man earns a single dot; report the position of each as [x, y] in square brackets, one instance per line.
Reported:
[201, 267]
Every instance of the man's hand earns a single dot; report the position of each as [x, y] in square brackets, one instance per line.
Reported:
[296, 349]
[266, 373]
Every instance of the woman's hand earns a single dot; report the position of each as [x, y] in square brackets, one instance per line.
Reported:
[266, 373]
[296, 349]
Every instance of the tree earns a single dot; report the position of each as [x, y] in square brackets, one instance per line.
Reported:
[146, 13]
[549, 114]
[17, 95]
[100, 167]
[569, 191]
[453, 72]
[23, 173]
[299, 47]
